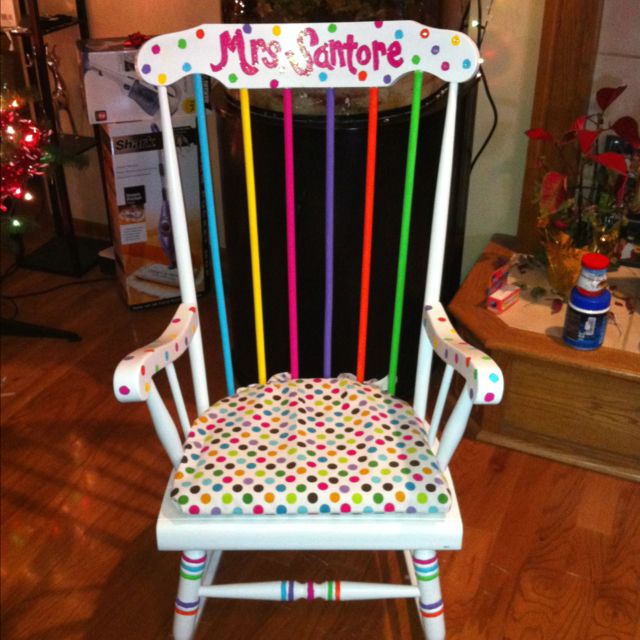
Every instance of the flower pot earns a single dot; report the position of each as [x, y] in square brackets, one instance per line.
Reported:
[563, 266]
[606, 234]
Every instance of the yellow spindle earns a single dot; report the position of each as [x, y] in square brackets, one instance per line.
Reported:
[253, 233]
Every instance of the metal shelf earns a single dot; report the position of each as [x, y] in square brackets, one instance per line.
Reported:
[46, 26]
[65, 253]
[49, 26]
[71, 145]
[58, 255]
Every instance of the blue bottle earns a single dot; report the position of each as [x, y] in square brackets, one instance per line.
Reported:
[588, 309]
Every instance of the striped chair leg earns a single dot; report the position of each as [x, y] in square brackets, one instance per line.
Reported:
[431, 607]
[192, 564]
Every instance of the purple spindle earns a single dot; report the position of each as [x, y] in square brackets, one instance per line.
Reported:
[328, 286]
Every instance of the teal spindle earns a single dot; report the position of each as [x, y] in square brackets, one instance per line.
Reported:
[213, 233]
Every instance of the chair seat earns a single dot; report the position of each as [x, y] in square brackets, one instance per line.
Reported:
[321, 445]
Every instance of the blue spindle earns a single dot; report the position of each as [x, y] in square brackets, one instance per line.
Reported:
[213, 233]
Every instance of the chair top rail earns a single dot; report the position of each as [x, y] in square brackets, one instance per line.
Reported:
[314, 55]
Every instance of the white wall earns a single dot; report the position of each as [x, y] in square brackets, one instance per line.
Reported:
[618, 59]
[108, 18]
[510, 50]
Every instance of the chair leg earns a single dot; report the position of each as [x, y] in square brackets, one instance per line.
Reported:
[213, 560]
[431, 607]
[192, 564]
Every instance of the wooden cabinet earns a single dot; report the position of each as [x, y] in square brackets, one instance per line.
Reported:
[582, 408]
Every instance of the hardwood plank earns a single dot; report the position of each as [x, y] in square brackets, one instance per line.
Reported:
[617, 607]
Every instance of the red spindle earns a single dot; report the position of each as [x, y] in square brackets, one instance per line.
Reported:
[367, 231]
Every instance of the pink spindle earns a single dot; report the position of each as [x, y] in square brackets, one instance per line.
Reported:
[291, 232]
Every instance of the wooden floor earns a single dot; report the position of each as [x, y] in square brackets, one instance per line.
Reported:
[550, 551]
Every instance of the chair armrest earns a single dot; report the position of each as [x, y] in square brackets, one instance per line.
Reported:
[131, 380]
[483, 376]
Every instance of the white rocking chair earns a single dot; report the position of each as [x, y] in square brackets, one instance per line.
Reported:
[326, 463]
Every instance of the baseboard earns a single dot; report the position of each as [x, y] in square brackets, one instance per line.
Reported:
[572, 454]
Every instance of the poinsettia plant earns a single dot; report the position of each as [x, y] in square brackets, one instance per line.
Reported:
[577, 196]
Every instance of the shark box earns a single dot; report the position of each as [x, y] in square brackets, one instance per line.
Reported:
[139, 209]
[114, 93]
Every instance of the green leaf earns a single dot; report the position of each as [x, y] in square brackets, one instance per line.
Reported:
[538, 292]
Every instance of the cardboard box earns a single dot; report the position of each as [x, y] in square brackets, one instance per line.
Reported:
[503, 298]
[9, 13]
[113, 91]
[139, 209]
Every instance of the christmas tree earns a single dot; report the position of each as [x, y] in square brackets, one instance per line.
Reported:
[22, 151]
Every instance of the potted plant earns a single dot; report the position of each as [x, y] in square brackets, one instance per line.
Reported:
[583, 201]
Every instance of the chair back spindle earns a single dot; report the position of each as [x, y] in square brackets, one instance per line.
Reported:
[252, 207]
[367, 232]
[183, 253]
[328, 257]
[165, 426]
[212, 224]
[287, 103]
[178, 399]
[407, 203]
[435, 264]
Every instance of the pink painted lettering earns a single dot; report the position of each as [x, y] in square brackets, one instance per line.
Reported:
[233, 44]
[308, 59]
[394, 52]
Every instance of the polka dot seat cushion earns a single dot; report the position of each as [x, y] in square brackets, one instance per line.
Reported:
[329, 445]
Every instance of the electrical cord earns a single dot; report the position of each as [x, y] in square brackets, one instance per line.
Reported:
[12, 298]
[494, 125]
[485, 84]
[59, 286]
[14, 313]
[465, 16]
[9, 271]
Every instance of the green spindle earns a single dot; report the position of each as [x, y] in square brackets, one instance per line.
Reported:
[404, 229]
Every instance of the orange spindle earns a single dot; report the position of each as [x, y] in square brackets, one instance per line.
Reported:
[367, 231]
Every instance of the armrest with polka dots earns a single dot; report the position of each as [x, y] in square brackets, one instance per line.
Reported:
[132, 375]
[484, 377]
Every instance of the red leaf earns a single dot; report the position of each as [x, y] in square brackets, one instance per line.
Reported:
[539, 134]
[552, 192]
[613, 161]
[556, 305]
[620, 192]
[586, 139]
[627, 129]
[604, 97]
[579, 124]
